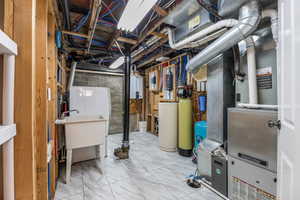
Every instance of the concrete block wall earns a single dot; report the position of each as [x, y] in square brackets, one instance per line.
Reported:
[115, 83]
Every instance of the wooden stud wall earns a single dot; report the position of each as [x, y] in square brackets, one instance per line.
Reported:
[33, 29]
[25, 102]
[153, 97]
[41, 125]
[52, 54]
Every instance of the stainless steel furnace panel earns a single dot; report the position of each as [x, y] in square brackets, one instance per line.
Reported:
[248, 182]
[220, 95]
[251, 139]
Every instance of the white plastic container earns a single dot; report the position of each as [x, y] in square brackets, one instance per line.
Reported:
[204, 156]
[168, 126]
[143, 126]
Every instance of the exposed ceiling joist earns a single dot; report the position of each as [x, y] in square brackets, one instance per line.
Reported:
[158, 34]
[164, 53]
[116, 34]
[126, 40]
[150, 30]
[75, 34]
[54, 10]
[145, 52]
[96, 8]
[160, 11]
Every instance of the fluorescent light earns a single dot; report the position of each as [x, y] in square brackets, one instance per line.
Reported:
[134, 13]
[118, 63]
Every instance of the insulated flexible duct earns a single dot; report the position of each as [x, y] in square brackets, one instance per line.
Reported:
[272, 14]
[249, 18]
[228, 23]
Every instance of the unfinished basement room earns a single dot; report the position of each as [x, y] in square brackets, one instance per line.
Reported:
[149, 100]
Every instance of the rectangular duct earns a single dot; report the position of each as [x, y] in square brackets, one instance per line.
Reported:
[220, 95]
[188, 18]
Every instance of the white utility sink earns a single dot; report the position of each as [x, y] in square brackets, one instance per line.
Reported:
[78, 119]
[84, 131]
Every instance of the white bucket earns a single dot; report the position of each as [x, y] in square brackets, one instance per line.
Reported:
[143, 126]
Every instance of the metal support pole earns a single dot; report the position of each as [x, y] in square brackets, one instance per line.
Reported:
[126, 119]
[123, 151]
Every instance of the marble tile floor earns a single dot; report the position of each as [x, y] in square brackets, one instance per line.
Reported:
[149, 174]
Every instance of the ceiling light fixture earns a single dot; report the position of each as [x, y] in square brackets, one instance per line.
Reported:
[118, 63]
[134, 13]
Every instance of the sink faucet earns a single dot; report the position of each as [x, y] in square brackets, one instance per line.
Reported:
[69, 111]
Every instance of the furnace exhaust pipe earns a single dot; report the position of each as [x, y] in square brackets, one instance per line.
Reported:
[72, 75]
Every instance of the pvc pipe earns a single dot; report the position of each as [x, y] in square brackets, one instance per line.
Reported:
[257, 106]
[99, 72]
[253, 98]
[206, 39]
[272, 14]
[8, 119]
[205, 184]
[72, 75]
[215, 27]
[149, 43]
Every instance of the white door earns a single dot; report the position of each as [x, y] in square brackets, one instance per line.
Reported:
[289, 100]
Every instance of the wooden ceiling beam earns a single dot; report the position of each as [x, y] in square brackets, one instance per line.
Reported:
[160, 11]
[126, 40]
[96, 8]
[53, 8]
[75, 34]
[164, 53]
[116, 34]
[154, 25]
[158, 34]
[145, 52]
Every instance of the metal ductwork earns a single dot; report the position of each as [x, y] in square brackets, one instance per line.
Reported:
[249, 18]
[229, 7]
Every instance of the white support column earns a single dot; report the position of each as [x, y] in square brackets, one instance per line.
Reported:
[8, 119]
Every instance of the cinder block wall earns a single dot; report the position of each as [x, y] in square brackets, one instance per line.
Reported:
[115, 83]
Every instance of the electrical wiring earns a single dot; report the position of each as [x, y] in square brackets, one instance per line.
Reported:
[109, 7]
[113, 16]
[97, 43]
[82, 22]
[119, 47]
[111, 10]
[150, 19]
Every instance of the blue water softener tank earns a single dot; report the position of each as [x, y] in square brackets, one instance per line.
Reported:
[200, 129]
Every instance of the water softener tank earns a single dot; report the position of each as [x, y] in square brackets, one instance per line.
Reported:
[185, 144]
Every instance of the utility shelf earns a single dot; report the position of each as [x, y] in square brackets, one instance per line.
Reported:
[7, 133]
